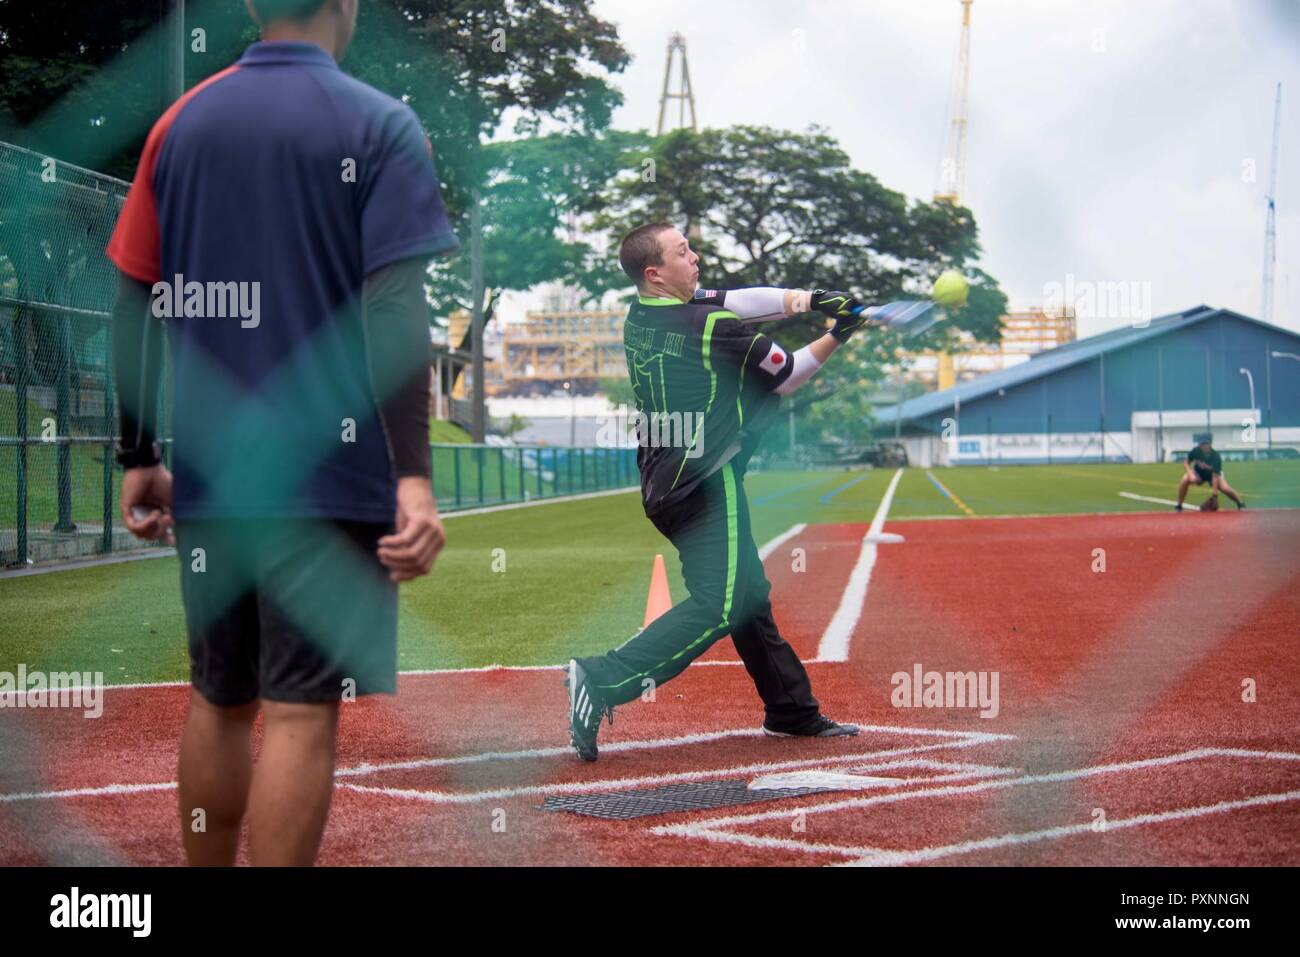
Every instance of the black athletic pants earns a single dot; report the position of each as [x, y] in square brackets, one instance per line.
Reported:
[728, 595]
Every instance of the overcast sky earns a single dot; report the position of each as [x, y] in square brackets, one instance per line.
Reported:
[1109, 141]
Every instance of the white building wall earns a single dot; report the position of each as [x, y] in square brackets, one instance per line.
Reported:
[1138, 445]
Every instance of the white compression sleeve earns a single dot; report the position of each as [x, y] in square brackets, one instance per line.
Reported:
[756, 302]
[802, 366]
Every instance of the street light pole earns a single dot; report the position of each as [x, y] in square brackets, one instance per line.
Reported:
[1276, 355]
[1254, 432]
[573, 414]
[1268, 389]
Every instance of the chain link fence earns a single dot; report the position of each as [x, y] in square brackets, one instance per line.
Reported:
[58, 416]
[467, 476]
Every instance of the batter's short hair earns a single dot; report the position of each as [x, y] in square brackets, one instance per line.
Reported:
[640, 248]
[271, 10]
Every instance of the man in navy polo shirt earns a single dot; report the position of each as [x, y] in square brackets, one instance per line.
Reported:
[280, 224]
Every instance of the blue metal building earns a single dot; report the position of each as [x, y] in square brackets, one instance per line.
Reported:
[1133, 394]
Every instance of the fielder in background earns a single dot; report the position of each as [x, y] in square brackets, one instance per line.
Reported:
[1204, 466]
[710, 386]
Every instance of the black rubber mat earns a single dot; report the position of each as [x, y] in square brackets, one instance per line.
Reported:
[670, 798]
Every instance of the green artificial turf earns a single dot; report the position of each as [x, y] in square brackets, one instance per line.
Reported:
[441, 430]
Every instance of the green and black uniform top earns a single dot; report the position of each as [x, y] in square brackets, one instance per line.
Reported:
[1206, 464]
[703, 382]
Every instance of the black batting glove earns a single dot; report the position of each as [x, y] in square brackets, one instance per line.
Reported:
[833, 303]
[844, 328]
[843, 307]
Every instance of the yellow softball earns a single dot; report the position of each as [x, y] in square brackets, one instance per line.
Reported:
[950, 289]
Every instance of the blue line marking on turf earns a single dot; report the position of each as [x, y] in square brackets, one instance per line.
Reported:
[935, 481]
[825, 499]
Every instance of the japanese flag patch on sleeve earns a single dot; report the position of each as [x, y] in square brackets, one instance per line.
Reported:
[776, 361]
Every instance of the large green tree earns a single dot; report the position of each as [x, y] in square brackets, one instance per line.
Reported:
[84, 81]
[536, 200]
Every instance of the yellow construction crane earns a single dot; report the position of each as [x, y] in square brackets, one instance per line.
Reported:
[952, 164]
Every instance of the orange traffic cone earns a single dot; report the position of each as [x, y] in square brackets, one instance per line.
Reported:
[658, 601]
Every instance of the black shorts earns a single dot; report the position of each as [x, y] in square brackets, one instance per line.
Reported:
[295, 610]
[1204, 478]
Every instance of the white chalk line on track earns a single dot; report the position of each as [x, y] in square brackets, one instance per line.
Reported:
[780, 540]
[834, 644]
[1148, 498]
[718, 830]
[887, 857]
[964, 738]
[105, 790]
[955, 772]
[948, 739]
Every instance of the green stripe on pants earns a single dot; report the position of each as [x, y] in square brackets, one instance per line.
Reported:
[714, 631]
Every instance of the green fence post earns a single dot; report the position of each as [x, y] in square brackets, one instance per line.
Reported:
[455, 471]
[23, 378]
[106, 544]
[478, 457]
[501, 471]
[63, 425]
[519, 456]
[538, 458]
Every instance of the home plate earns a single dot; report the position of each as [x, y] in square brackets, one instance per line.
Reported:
[819, 779]
[884, 538]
